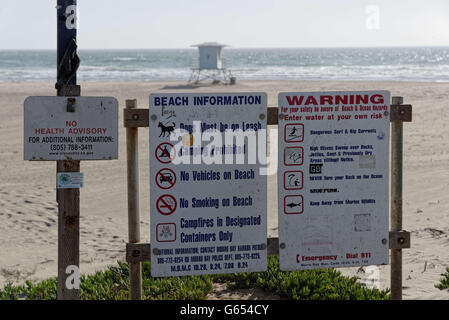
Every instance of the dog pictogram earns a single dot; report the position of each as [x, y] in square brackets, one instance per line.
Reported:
[166, 129]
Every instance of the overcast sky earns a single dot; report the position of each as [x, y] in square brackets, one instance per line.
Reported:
[116, 24]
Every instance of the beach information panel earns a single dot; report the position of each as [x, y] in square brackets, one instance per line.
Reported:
[333, 179]
[207, 197]
[62, 128]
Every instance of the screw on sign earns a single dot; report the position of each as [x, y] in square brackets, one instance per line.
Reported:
[165, 179]
[165, 153]
[166, 204]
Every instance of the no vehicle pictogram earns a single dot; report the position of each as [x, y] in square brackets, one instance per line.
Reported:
[165, 178]
[166, 204]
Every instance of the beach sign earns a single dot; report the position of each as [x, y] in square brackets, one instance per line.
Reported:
[70, 128]
[333, 179]
[208, 207]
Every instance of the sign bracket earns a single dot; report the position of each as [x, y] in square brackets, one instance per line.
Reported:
[140, 118]
[400, 240]
[140, 252]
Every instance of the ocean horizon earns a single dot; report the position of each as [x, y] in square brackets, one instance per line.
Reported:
[427, 64]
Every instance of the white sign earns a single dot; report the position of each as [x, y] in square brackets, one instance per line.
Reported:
[70, 180]
[207, 197]
[57, 128]
[333, 179]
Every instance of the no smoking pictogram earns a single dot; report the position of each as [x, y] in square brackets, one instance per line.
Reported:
[164, 153]
[165, 178]
[166, 204]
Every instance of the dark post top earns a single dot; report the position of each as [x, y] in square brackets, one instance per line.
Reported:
[67, 57]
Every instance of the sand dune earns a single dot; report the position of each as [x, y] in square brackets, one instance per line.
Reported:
[28, 210]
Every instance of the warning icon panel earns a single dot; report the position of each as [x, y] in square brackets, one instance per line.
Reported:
[293, 156]
[293, 204]
[294, 132]
[293, 180]
[166, 232]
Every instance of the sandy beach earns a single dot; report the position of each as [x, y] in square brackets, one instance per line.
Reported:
[28, 209]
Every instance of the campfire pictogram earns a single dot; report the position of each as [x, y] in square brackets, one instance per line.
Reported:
[166, 232]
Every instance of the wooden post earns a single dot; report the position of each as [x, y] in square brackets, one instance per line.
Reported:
[68, 199]
[68, 231]
[132, 152]
[397, 117]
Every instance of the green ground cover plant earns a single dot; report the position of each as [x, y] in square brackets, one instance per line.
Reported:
[444, 282]
[113, 284]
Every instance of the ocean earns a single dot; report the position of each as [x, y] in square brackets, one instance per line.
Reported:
[397, 64]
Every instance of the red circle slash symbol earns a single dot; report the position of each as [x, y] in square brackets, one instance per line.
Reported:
[166, 204]
[164, 154]
[165, 178]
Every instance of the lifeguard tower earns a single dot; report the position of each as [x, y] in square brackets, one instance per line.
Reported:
[211, 65]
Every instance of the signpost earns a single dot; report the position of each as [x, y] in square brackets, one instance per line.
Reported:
[68, 199]
[333, 179]
[208, 210]
[67, 129]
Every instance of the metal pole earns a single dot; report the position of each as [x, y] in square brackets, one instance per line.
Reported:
[396, 201]
[132, 152]
[68, 199]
